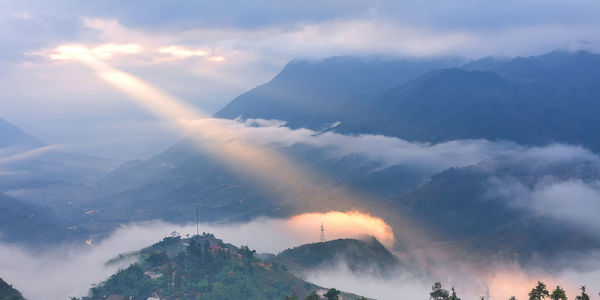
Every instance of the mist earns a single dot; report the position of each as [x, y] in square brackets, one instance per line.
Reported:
[71, 269]
[496, 281]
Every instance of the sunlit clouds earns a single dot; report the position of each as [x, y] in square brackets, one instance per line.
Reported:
[103, 51]
[71, 270]
[351, 224]
[108, 51]
[180, 52]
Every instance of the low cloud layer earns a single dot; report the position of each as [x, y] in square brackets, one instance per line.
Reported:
[499, 281]
[70, 270]
[391, 151]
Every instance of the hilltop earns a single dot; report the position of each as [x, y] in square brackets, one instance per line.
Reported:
[358, 255]
[206, 267]
[7, 292]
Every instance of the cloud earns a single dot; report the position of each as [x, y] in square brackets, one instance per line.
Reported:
[247, 44]
[496, 280]
[70, 270]
[572, 200]
[391, 151]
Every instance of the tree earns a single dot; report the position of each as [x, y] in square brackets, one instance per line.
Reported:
[292, 297]
[558, 294]
[438, 293]
[539, 292]
[583, 295]
[332, 294]
[512, 298]
[313, 296]
[453, 296]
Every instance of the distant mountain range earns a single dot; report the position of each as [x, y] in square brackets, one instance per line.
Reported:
[312, 94]
[532, 101]
[24, 222]
[529, 101]
[39, 185]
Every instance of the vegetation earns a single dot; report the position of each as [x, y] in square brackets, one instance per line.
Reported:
[358, 254]
[438, 293]
[558, 294]
[538, 292]
[7, 292]
[205, 267]
[583, 295]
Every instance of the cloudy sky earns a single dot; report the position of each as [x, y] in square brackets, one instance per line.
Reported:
[208, 52]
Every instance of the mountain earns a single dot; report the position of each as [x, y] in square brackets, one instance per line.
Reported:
[29, 223]
[42, 174]
[533, 100]
[14, 137]
[359, 255]
[450, 104]
[486, 209]
[203, 267]
[312, 94]
[7, 292]
[189, 177]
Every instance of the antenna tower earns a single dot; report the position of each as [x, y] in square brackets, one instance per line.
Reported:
[197, 231]
[322, 239]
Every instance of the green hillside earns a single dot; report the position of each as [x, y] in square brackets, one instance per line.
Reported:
[203, 267]
[359, 255]
[7, 292]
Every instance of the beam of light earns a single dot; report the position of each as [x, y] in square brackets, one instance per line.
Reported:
[293, 184]
[338, 224]
[103, 51]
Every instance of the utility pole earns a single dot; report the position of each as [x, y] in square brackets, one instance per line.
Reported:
[322, 233]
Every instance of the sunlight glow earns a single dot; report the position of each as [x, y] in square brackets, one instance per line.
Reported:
[352, 224]
[294, 185]
[103, 51]
[182, 52]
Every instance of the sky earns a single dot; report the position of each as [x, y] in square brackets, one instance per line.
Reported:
[208, 52]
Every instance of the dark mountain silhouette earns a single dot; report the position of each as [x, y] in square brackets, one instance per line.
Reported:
[28, 223]
[363, 255]
[533, 100]
[7, 292]
[313, 94]
[12, 136]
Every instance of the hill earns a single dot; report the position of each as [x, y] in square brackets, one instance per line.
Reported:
[202, 266]
[7, 292]
[24, 222]
[44, 175]
[488, 210]
[14, 137]
[359, 255]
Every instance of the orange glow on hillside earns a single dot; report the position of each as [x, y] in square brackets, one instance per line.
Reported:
[344, 225]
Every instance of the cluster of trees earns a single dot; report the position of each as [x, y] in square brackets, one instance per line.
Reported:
[204, 267]
[539, 292]
[7, 292]
[332, 294]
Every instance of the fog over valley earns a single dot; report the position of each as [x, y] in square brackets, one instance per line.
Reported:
[299, 150]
